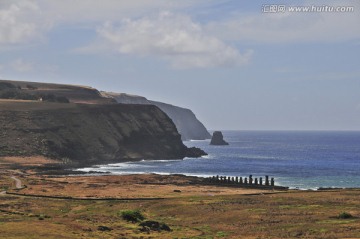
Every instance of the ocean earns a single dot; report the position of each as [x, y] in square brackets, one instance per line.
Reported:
[296, 159]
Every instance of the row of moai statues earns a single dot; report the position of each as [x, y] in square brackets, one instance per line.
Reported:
[242, 181]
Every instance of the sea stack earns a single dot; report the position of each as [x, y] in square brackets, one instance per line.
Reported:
[218, 139]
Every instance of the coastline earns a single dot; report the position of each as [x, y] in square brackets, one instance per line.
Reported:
[38, 202]
[44, 177]
[48, 168]
[111, 169]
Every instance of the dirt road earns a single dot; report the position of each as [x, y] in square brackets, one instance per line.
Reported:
[18, 183]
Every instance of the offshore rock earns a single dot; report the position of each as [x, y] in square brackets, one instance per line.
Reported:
[194, 152]
[218, 139]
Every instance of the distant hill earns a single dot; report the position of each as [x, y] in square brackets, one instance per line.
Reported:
[74, 94]
[185, 120]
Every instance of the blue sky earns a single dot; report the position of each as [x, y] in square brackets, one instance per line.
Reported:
[235, 66]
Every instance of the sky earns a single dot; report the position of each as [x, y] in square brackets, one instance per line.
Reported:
[241, 65]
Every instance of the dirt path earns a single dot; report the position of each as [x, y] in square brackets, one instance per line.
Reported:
[18, 183]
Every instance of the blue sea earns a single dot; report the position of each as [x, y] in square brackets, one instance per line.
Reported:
[297, 159]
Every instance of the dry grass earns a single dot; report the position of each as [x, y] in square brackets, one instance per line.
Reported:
[193, 213]
[127, 186]
[28, 161]
[285, 215]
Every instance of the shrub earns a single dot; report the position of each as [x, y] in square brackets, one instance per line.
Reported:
[16, 94]
[62, 99]
[53, 98]
[30, 87]
[345, 215]
[6, 85]
[104, 228]
[132, 215]
[154, 226]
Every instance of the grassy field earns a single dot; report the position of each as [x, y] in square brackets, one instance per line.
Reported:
[284, 215]
[195, 211]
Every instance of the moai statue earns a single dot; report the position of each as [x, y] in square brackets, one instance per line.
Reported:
[272, 182]
[250, 179]
[260, 181]
[232, 180]
[256, 181]
[266, 180]
[229, 180]
[241, 180]
[236, 180]
[245, 181]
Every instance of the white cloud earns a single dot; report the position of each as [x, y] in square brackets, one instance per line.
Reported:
[90, 12]
[95, 10]
[172, 37]
[22, 21]
[19, 21]
[24, 66]
[291, 27]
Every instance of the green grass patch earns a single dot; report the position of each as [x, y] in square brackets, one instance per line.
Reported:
[345, 215]
[132, 215]
[299, 206]
[336, 221]
[221, 234]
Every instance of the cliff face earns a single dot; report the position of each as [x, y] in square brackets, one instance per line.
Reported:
[88, 134]
[126, 98]
[185, 120]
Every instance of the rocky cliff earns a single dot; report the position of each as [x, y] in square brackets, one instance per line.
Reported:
[185, 120]
[124, 98]
[89, 134]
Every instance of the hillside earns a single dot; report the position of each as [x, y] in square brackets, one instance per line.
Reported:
[185, 120]
[89, 134]
[73, 93]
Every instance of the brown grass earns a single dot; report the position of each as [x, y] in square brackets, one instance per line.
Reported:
[28, 161]
[130, 186]
[195, 212]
